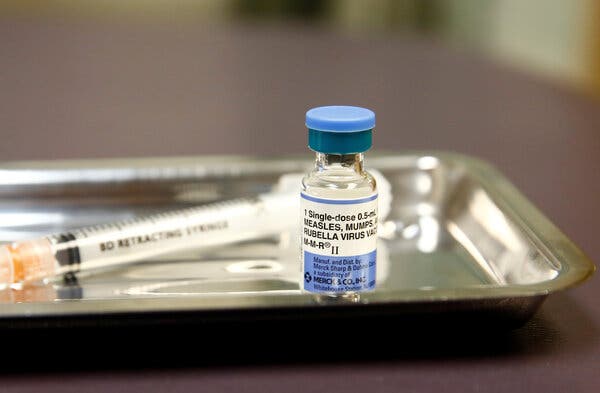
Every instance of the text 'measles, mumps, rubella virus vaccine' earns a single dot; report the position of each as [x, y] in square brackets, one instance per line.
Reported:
[339, 204]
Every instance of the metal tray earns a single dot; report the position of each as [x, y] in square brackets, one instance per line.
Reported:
[460, 242]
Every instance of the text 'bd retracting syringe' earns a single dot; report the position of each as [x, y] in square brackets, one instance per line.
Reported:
[114, 244]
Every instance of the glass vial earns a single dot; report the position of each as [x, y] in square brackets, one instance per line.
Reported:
[339, 204]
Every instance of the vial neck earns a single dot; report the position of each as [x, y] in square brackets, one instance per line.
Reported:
[351, 162]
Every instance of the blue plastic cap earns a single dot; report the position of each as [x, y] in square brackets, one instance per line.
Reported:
[340, 129]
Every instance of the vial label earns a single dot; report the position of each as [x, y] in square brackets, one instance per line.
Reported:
[339, 244]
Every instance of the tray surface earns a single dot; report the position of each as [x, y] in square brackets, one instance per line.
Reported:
[459, 235]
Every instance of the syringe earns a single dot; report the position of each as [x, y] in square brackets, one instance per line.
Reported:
[108, 245]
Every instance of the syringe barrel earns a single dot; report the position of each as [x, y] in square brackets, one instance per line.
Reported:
[130, 240]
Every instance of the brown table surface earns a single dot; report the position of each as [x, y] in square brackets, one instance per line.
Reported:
[81, 90]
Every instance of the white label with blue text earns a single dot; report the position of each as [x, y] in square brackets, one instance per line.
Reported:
[339, 242]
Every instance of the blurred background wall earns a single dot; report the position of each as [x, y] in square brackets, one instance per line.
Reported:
[556, 39]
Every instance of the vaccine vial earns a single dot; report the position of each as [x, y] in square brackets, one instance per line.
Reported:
[339, 204]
